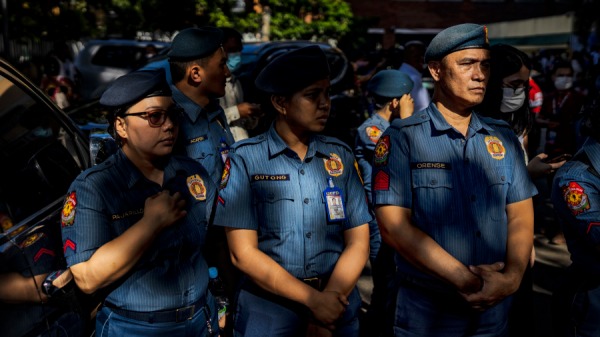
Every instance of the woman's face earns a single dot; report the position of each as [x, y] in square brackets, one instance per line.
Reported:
[519, 79]
[307, 110]
[141, 137]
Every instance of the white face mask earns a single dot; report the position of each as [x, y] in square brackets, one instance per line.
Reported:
[512, 99]
[563, 82]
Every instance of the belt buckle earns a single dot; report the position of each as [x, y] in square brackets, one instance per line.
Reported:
[314, 282]
[185, 313]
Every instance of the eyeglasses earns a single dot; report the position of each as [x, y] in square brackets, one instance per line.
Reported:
[156, 118]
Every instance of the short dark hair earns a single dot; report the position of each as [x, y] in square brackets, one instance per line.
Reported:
[179, 68]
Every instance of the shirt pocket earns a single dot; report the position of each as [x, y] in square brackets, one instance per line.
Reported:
[432, 195]
[274, 203]
[200, 150]
[499, 179]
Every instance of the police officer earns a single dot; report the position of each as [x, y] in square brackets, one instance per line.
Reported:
[576, 198]
[199, 73]
[295, 211]
[390, 92]
[134, 226]
[453, 198]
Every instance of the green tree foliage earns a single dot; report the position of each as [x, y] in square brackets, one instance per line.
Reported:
[74, 19]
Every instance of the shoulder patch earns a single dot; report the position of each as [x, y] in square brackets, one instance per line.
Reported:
[225, 175]
[67, 216]
[576, 198]
[373, 132]
[382, 151]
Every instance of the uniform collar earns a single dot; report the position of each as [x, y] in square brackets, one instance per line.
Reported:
[192, 110]
[277, 145]
[592, 149]
[383, 121]
[440, 124]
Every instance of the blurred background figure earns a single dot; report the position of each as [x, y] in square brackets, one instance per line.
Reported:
[241, 115]
[414, 51]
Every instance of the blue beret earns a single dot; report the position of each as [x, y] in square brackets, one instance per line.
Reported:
[455, 38]
[390, 84]
[293, 71]
[195, 43]
[135, 86]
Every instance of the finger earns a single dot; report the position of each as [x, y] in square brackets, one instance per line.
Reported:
[542, 156]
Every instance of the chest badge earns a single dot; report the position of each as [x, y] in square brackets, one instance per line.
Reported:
[33, 238]
[494, 147]
[373, 133]
[334, 165]
[196, 187]
[576, 198]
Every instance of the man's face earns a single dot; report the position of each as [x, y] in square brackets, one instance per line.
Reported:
[462, 77]
[215, 74]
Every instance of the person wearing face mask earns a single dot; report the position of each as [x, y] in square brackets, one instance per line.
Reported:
[559, 112]
[241, 116]
[506, 99]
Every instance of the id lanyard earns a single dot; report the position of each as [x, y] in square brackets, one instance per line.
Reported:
[334, 203]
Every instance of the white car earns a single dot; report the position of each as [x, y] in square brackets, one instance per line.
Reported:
[102, 61]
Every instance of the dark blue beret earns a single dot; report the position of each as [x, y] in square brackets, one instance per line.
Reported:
[455, 38]
[390, 84]
[195, 43]
[135, 86]
[293, 71]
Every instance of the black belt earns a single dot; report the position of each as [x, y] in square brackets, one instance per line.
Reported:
[317, 282]
[174, 315]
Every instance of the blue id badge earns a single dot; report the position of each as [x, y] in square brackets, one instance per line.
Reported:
[224, 150]
[334, 202]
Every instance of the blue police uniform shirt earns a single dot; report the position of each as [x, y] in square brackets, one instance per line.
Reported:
[202, 133]
[267, 188]
[106, 200]
[457, 187]
[576, 198]
[367, 136]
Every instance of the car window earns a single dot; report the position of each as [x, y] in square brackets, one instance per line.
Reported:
[125, 57]
[37, 154]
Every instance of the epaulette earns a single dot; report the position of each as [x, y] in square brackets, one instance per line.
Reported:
[249, 141]
[105, 165]
[418, 118]
[335, 141]
[493, 121]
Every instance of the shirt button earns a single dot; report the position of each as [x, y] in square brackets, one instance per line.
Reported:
[186, 293]
[307, 267]
[308, 235]
[306, 200]
[433, 182]
[473, 198]
[478, 234]
[302, 172]
[503, 178]
[423, 116]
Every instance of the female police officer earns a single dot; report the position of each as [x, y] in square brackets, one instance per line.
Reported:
[134, 225]
[295, 210]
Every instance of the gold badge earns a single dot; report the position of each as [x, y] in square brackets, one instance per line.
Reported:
[495, 147]
[485, 32]
[373, 133]
[67, 216]
[196, 186]
[31, 240]
[334, 165]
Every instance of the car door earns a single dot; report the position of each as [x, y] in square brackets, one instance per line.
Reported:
[41, 152]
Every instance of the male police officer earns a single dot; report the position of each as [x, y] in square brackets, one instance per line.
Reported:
[576, 198]
[453, 198]
[390, 92]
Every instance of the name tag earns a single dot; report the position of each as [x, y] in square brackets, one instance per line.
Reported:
[127, 214]
[270, 177]
[198, 139]
[429, 165]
